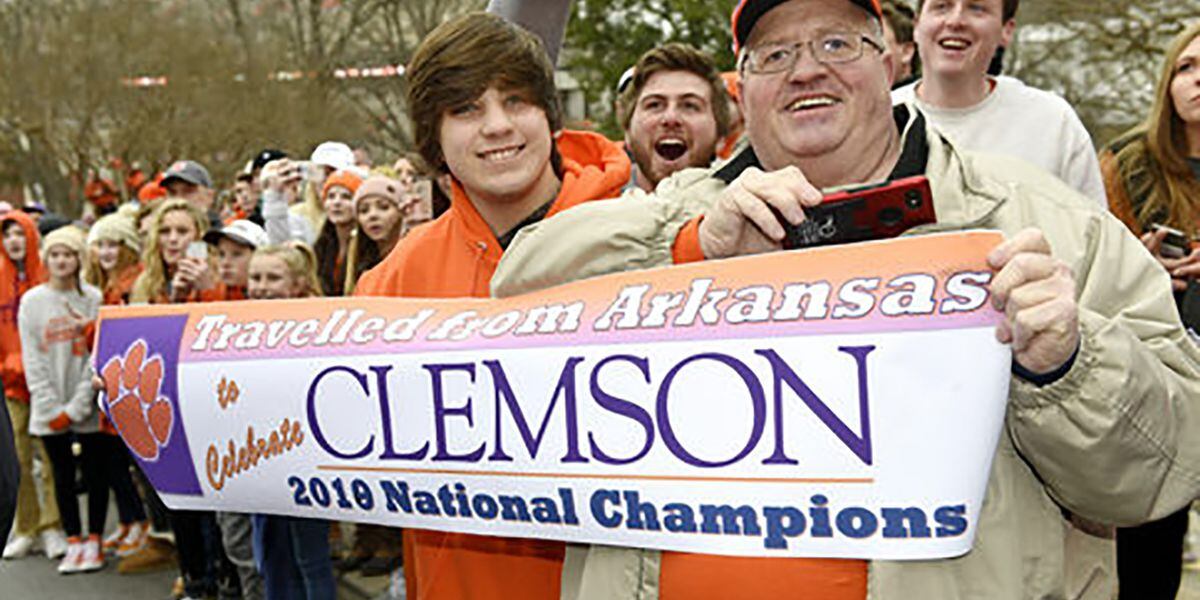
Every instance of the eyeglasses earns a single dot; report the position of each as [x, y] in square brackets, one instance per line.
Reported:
[829, 48]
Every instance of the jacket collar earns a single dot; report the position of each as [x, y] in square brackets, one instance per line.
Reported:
[913, 150]
[477, 231]
[593, 168]
[962, 198]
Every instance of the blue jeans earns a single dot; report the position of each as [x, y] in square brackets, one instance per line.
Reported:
[293, 557]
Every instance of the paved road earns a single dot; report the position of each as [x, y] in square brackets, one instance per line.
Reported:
[37, 578]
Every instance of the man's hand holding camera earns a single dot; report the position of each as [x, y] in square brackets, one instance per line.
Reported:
[741, 222]
[1035, 290]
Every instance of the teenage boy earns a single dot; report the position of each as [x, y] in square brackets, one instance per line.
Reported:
[235, 243]
[1100, 419]
[484, 109]
[675, 113]
[957, 40]
[245, 197]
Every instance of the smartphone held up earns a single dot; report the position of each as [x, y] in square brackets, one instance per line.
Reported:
[1175, 244]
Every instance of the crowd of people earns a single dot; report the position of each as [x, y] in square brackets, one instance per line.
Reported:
[1094, 476]
[288, 229]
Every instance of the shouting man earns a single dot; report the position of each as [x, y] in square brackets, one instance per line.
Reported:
[675, 113]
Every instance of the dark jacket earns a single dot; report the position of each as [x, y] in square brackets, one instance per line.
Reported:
[10, 473]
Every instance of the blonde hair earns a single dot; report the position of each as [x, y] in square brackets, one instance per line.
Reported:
[94, 274]
[1177, 191]
[145, 210]
[152, 283]
[301, 262]
[311, 207]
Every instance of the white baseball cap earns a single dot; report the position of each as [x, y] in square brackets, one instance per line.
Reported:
[241, 231]
[333, 154]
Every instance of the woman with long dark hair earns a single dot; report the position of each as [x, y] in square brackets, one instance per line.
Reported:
[1152, 172]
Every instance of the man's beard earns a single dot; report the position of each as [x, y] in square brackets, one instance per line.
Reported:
[644, 159]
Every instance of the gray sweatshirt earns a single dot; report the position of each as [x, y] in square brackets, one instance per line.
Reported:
[56, 356]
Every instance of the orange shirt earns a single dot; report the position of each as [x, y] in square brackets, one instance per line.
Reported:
[702, 576]
[116, 293]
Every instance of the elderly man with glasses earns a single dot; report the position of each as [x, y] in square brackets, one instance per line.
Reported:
[1100, 419]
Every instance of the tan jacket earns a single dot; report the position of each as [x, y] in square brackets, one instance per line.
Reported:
[1112, 441]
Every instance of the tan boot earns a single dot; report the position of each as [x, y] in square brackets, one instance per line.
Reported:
[155, 555]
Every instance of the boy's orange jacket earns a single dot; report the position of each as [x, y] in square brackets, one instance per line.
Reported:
[452, 257]
[455, 255]
[14, 283]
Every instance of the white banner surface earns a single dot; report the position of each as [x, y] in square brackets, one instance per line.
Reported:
[829, 403]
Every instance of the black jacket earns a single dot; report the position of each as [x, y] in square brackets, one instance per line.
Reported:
[10, 473]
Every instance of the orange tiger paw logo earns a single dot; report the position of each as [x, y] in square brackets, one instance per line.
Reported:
[131, 386]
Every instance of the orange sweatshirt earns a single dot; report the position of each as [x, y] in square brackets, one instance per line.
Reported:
[14, 283]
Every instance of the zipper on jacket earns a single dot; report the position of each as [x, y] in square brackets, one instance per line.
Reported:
[481, 251]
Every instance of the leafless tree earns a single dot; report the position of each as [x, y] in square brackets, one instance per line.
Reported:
[240, 75]
[1103, 57]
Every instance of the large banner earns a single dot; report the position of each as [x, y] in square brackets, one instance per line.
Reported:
[838, 402]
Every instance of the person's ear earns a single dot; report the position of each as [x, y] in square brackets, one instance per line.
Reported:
[1007, 32]
[906, 51]
[741, 97]
[889, 66]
